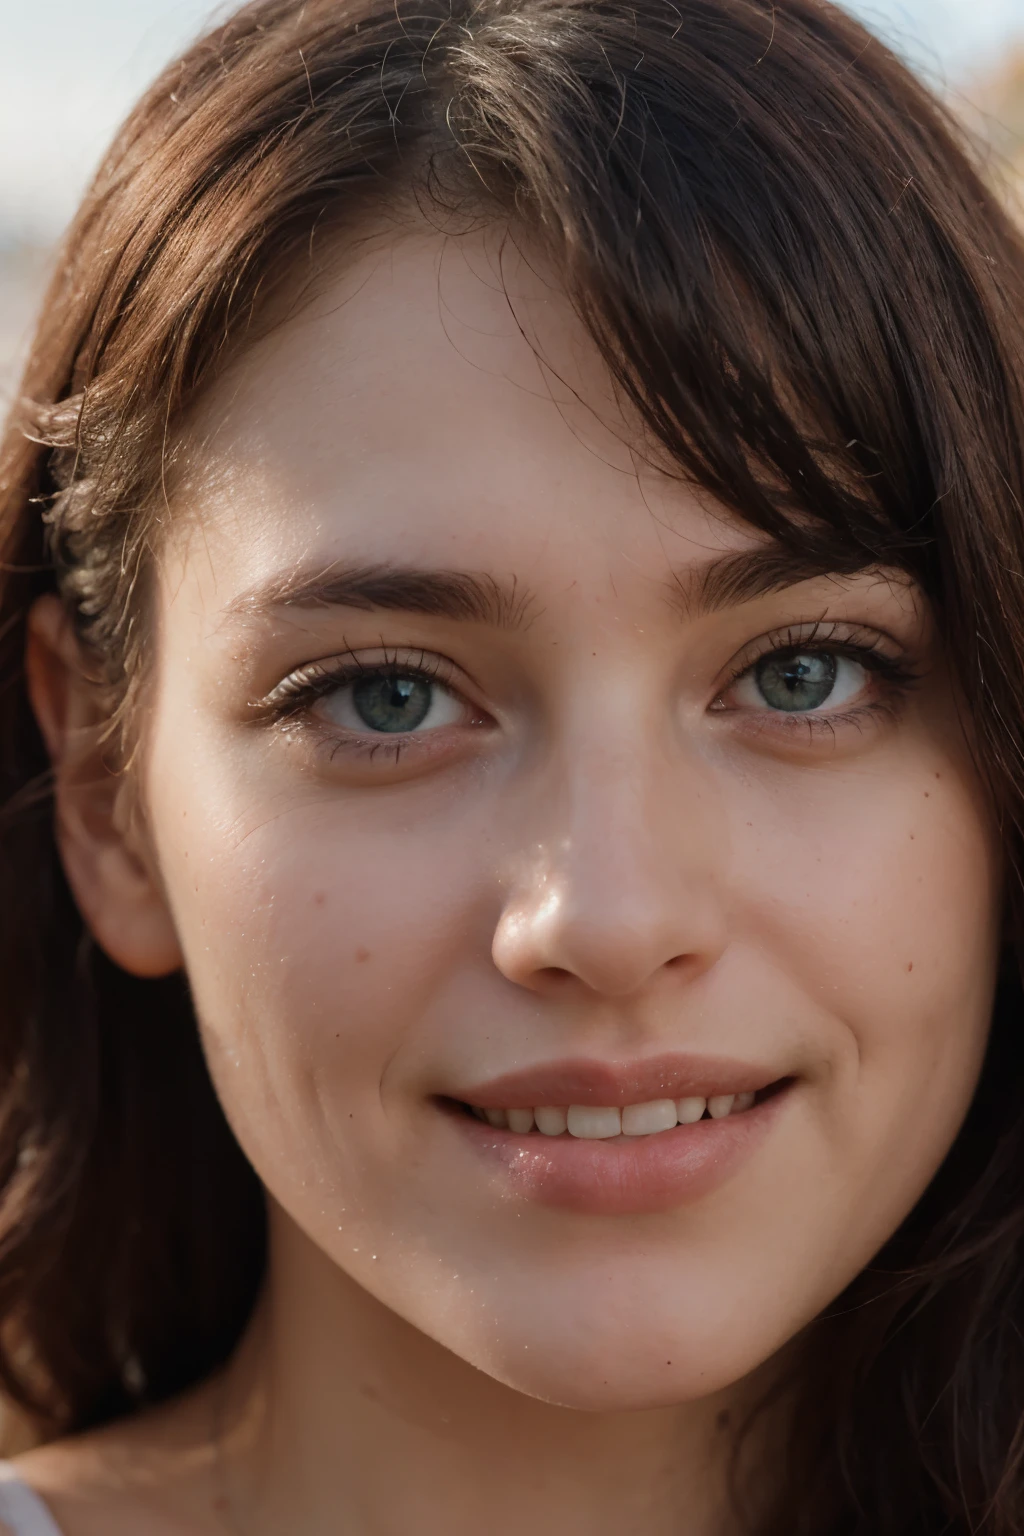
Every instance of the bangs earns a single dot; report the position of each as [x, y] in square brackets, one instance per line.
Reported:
[755, 250]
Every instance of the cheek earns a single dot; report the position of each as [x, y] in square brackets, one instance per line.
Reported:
[315, 941]
[878, 898]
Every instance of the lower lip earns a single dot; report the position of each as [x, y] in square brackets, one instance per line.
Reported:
[631, 1176]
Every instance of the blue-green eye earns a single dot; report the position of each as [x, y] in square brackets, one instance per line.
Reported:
[389, 703]
[799, 682]
[796, 680]
[392, 703]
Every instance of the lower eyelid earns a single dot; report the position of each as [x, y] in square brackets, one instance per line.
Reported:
[807, 729]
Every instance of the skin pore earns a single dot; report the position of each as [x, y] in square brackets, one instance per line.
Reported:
[601, 842]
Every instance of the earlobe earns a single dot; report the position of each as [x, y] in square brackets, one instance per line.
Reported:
[103, 845]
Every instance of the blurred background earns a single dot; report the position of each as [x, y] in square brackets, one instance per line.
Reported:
[70, 70]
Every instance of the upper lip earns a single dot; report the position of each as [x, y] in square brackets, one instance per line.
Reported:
[582, 1081]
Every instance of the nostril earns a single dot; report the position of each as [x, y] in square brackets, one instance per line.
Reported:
[556, 974]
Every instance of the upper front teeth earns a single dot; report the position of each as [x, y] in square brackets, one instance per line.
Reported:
[586, 1120]
[600, 1123]
[645, 1119]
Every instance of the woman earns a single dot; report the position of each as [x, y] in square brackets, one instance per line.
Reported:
[513, 632]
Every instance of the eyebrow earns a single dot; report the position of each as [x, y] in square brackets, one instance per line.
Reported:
[726, 581]
[744, 575]
[462, 595]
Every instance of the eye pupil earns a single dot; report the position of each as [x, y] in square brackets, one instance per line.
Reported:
[796, 680]
[392, 702]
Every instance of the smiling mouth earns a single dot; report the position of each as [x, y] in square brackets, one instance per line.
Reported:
[594, 1122]
[603, 1138]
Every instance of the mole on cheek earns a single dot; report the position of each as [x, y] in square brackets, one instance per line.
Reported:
[362, 954]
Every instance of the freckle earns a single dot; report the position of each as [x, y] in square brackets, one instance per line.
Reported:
[910, 965]
[911, 837]
[927, 794]
[362, 954]
[319, 898]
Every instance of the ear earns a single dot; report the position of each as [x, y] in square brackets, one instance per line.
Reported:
[100, 830]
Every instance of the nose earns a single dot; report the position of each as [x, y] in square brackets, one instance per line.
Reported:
[622, 881]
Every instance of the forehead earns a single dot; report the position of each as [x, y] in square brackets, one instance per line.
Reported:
[440, 399]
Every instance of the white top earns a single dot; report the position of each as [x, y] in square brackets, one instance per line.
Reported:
[21, 1510]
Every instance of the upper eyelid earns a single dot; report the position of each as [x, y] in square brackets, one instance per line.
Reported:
[821, 631]
[342, 666]
[820, 634]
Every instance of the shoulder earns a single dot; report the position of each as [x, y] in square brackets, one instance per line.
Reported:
[82, 1504]
[151, 1474]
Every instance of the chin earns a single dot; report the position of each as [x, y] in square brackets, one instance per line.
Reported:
[609, 1372]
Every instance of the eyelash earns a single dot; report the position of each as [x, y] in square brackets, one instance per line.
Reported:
[311, 682]
[896, 674]
[288, 704]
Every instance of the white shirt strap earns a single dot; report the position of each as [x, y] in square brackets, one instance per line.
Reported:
[21, 1510]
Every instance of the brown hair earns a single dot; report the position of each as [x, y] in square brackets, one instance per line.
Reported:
[801, 284]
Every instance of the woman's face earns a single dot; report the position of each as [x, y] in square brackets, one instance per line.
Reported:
[486, 768]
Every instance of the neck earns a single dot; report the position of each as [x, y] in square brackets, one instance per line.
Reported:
[336, 1414]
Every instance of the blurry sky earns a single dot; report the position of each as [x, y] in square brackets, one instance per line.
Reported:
[69, 70]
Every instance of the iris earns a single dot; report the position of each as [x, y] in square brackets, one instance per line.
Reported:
[796, 680]
[392, 702]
